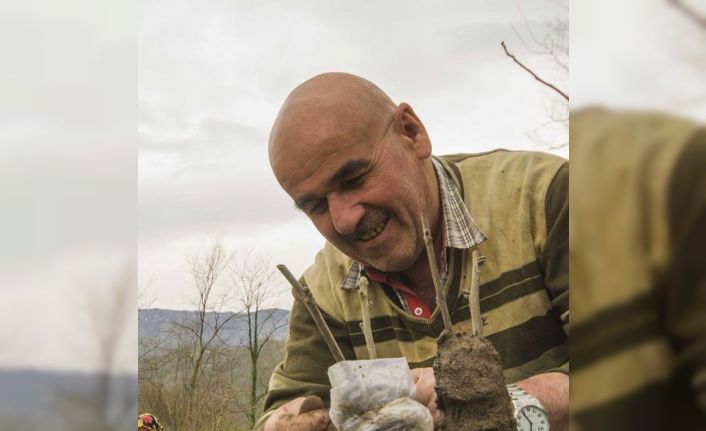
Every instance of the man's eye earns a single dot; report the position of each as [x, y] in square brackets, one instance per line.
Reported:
[354, 182]
[318, 208]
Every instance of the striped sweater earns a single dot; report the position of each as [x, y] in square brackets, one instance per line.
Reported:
[520, 201]
[638, 272]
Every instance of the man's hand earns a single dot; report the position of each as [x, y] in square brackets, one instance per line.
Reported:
[300, 414]
[552, 390]
[426, 394]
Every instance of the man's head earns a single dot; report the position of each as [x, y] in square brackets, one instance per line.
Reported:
[358, 166]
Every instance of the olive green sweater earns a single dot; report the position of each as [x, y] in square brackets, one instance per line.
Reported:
[520, 202]
[638, 271]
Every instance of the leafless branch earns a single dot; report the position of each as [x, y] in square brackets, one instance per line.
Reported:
[145, 299]
[474, 295]
[534, 75]
[434, 269]
[197, 380]
[315, 313]
[365, 324]
[690, 12]
[530, 31]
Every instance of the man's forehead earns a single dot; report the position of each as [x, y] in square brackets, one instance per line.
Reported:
[319, 119]
[308, 136]
[319, 163]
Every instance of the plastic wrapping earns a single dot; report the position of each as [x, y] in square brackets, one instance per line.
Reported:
[402, 414]
[377, 394]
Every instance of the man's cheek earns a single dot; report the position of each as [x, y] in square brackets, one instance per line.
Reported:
[324, 226]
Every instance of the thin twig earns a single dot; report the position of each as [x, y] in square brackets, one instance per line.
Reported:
[310, 304]
[365, 324]
[440, 299]
[532, 73]
[474, 295]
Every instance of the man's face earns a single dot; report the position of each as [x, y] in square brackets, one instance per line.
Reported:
[363, 195]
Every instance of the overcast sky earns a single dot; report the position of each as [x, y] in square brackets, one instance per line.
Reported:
[68, 180]
[638, 54]
[212, 78]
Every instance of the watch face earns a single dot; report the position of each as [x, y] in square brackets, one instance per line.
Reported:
[532, 418]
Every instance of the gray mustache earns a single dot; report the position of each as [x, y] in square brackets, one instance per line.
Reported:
[368, 222]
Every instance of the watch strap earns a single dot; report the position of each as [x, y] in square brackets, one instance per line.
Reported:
[521, 398]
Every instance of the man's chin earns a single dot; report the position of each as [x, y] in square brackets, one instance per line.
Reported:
[390, 264]
[382, 257]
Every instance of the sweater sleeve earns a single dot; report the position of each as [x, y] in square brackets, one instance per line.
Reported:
[554, 259]
[686, 281]
[307, 357]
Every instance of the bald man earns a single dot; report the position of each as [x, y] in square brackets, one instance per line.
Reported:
[361, 168]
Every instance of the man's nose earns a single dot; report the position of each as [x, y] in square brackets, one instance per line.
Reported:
[345, 214]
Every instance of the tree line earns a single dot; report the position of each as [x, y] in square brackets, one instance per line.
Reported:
[190, 377]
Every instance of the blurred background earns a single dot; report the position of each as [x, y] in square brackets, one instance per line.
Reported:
[638, 215]
[68, 224]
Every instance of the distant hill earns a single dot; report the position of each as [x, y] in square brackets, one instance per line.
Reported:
[58, 401]
[156, 323]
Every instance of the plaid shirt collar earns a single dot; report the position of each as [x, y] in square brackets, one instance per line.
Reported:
[460, 230]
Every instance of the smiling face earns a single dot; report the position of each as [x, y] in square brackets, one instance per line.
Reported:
[362, 177]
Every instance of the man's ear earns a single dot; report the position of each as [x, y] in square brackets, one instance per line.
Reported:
[411, 128]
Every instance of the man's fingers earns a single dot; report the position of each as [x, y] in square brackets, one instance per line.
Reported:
[291, 409]
[314, 420]
[312, 402]
[293, 406]
[424, 381]
[426, 392]
[435, 413]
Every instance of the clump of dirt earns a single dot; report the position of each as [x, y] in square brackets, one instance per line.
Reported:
[470, 387]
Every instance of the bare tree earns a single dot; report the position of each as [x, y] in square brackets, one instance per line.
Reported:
[552, 45]
[254, 284]
[177, 372]
[193, 378]
[110, 312]
[145, 297]
[209, 320]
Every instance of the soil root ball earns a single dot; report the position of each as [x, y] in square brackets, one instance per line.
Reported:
[470, 387]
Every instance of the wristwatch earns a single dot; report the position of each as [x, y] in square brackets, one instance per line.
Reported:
[529, 413]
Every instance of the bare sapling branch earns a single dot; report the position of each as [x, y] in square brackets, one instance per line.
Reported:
[365, 324]
[434, 268]
[474, 295]
[310, 304]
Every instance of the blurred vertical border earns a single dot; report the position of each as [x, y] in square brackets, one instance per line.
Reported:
[68, 231]
[638, 215]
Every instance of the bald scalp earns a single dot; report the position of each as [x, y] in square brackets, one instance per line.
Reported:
[329, 103]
